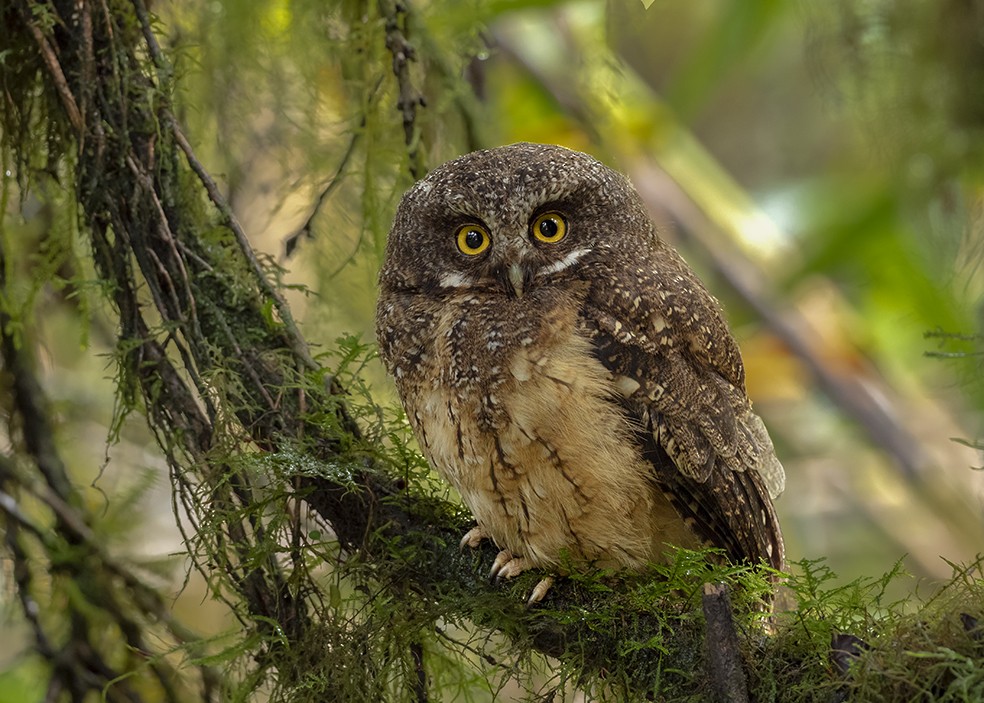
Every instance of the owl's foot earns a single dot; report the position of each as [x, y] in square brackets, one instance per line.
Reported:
[540, 590]
[506, 566]
[473, 538]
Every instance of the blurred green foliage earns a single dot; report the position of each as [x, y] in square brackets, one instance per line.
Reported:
[836, 146]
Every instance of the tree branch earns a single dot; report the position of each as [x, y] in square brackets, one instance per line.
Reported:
[395, 13]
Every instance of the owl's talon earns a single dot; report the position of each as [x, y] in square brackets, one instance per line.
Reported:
[498, 566]
[513, 568]
[540, 590]
[473, 538]
[506, 566]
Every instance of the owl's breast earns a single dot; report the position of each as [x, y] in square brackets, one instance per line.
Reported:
[517, 413]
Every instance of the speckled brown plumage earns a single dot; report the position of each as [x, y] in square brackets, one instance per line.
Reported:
[585, 396]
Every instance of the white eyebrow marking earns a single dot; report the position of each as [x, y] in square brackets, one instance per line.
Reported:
[568, 260]
[454, 280]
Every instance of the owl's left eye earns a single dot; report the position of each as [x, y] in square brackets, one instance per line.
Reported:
[473, 240]
[550, 227]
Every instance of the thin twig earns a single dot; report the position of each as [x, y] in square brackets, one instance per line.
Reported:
[168, 236]
[23, 578]
[298, 345]
[395, 15]
[486, 657]
[58, 78]
[290, 243]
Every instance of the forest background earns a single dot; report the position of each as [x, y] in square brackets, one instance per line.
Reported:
[818, 163]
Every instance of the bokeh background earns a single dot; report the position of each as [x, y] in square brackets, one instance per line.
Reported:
[818, 162]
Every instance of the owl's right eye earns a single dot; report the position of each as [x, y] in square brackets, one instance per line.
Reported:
[473, 240]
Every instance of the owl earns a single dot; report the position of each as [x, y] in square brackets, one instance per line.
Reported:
[565, 370]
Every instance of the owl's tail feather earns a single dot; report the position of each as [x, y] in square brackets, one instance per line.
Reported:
[730, 510]
[761, 537]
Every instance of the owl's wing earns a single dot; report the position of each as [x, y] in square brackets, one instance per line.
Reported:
[681, 380]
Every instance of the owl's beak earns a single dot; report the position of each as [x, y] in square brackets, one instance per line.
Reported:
[516, 278]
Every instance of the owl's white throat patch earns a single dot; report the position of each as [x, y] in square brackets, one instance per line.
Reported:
[455, 279]
[568, 261]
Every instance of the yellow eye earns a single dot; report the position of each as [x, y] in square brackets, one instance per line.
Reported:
[473, 240]
[550, 227]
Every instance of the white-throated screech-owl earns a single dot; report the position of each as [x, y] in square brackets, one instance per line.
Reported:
[567, 372]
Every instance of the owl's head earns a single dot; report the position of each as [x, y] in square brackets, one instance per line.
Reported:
[508, 220]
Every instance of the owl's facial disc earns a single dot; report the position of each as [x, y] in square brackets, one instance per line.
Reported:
[518, 256]
[530, 258]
